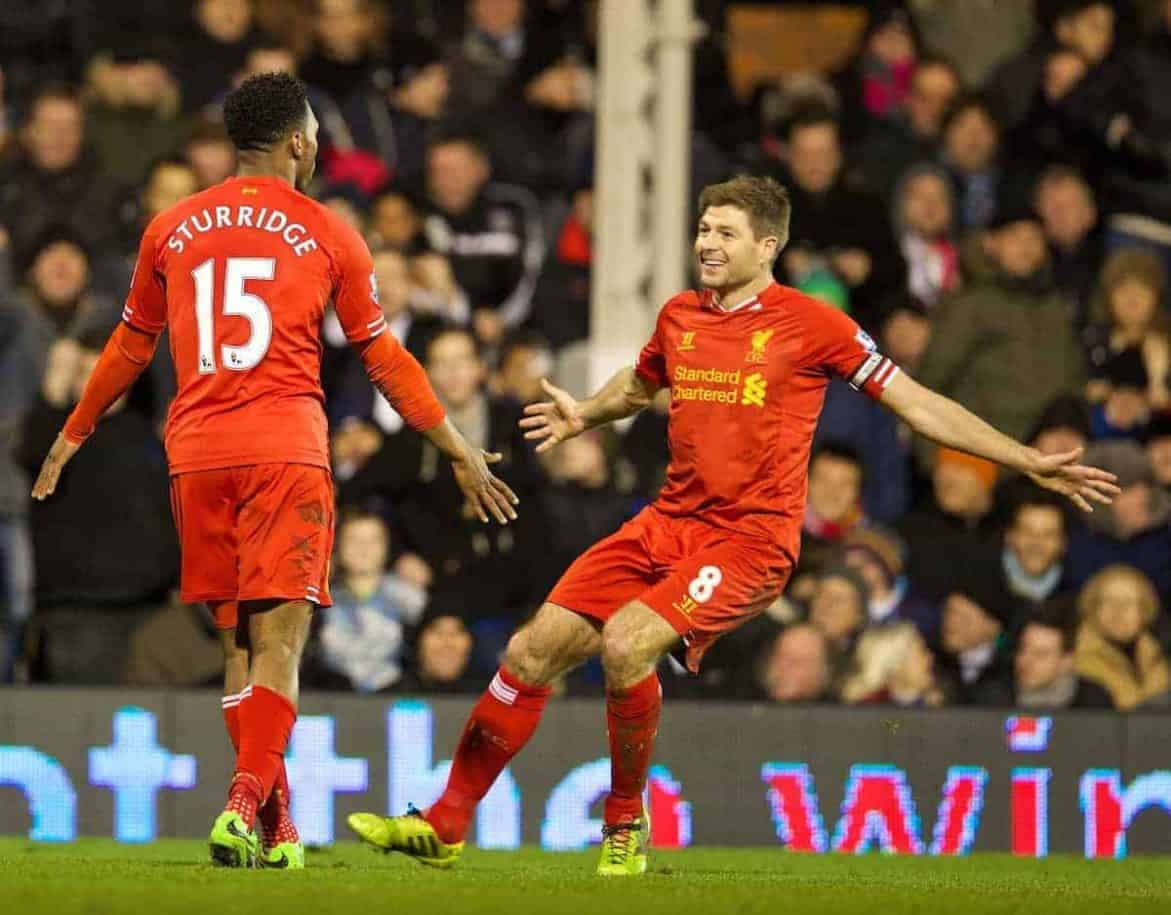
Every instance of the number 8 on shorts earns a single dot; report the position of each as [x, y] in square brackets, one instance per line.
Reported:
[705, 583]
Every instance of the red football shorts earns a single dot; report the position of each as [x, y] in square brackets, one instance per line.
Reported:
[703, 580]
[261, 532]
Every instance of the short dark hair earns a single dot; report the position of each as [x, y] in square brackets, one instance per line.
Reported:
[264, 109]
[522, 338]
[461, 136]
[454, 330]
[1036, 498]
[840, 451]
[764, 200]
[971, 101]
[811, 114]
[1057, 612]
[1068, 9]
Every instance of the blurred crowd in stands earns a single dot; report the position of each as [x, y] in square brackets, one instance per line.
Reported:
[983, 185]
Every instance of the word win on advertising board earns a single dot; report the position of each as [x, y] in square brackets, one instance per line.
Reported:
[744, 775]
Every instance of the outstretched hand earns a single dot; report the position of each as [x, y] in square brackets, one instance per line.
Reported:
[485, 492]
[553, 421]
[59, 455]
[1061, 473]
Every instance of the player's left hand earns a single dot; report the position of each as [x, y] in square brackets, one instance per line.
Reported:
[1063, 474]
[484, 491]
[59, 455]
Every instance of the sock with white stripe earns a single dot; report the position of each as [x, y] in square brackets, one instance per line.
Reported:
[266, 720]
[502, 722]
[275, 822]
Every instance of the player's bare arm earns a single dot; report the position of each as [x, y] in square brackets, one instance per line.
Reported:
[486, 492]
[947, 423]
[562, 417]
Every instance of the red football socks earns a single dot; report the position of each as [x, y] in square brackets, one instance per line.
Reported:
[276, 825]
[500, 725]
[632, 719]
[265, 720]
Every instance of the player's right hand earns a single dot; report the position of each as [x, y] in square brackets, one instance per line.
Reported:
[553, 421]
[55, 461]
[484, 491]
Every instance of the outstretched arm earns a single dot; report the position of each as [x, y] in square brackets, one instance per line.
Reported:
[402, 381]
[126, 354]
[562, 417]
[947, 423]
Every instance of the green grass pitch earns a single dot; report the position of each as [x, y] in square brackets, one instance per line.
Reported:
[96, 876]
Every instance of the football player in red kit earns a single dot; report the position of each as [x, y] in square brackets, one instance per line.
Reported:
[746, 362]
[241, 275]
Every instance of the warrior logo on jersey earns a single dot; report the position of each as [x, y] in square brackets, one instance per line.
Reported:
[374, 286]
[759, 341]
[866, 341]
[688, 342]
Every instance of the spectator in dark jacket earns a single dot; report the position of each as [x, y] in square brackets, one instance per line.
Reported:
[1137, 191]
[491, 233]
[57, 305]
[977, 615]
[1135, 529]
[895, 145]
[956, 521]
[346, 39]
[838, 234]
[1043, 667]
[879, 556]
[581, 503]
[970, 149]
[1065, 203]
[1158, 446]
[1084, 27]
[219, 38]
[872, 432]
[443, 653]
[52, 178]
[106, 537]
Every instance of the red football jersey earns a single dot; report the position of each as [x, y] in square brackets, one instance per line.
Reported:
[747, 386]
[241, 274]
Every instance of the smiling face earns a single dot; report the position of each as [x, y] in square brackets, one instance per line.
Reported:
[728, 253]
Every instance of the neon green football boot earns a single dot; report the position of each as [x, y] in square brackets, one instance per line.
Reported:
[624, 848]
[285, 856]
[231, 843]
[411, 835]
